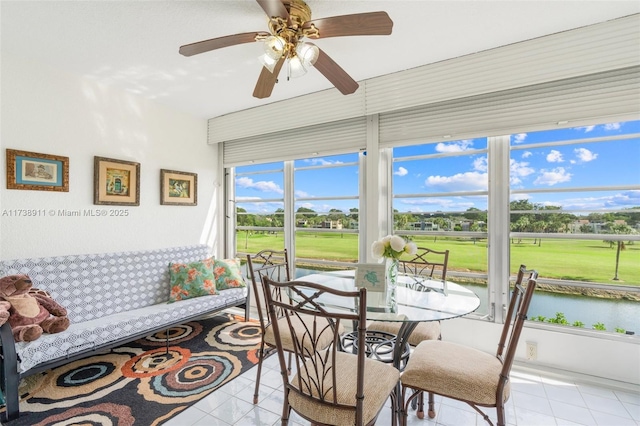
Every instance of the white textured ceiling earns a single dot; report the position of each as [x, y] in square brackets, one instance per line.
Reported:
[134, 44]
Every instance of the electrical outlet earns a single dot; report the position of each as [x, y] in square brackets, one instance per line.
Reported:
[532, 351]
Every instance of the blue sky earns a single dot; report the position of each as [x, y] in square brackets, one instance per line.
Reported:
[593, 164]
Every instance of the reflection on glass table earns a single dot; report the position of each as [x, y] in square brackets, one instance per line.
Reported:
[417, 299]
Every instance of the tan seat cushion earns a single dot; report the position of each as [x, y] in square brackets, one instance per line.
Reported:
[379, 381]
[455, 371]
[424, 331]
[324, 340]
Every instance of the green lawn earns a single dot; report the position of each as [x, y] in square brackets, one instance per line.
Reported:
[581, 260]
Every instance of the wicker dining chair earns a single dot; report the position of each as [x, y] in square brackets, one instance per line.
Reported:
[467, 374]
[426, 263]
[330, 387]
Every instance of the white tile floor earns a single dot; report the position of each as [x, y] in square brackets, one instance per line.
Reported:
[536, 400]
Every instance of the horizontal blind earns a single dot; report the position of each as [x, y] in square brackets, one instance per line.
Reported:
[333, 138]
[586, 50]
[303, 111]
[535, 107]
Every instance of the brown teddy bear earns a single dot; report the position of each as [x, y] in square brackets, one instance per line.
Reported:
[30, 313]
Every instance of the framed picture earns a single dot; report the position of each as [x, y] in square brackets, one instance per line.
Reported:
[35, 171]
[178, 188]
[371, 276]
[116, 182]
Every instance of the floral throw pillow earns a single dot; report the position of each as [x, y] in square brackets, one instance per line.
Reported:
[227, 273]
[189, 280]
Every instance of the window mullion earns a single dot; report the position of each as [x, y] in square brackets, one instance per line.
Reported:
[498, 225]
[289, 214]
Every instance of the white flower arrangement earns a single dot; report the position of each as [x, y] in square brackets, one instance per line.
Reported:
[392, 246]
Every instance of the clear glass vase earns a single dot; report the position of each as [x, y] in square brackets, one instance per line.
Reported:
[391, 278]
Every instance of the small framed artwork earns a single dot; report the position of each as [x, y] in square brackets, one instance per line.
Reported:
[371, 276]
[116, 182]
[35, 171]
[178, 188]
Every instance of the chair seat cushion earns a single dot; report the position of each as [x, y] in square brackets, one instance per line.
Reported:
[455, 371]
[379, 381]
[300, 325]
[424, 331]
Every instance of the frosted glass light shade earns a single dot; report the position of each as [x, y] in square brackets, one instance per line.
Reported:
[274, 47]
[308, 53]
[268, 62]
[296, 67]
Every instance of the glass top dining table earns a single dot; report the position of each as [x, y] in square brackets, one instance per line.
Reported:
[418, 299]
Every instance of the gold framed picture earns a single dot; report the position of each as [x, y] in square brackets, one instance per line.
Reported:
[35, 171]
[116, 182]
[178, 188]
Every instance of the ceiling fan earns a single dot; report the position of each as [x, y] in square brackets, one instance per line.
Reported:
[289, 23]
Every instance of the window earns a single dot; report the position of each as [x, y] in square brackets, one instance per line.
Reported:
[440, 202]
[324, 213]
[259, 207]
[575, 214]
[326, 209]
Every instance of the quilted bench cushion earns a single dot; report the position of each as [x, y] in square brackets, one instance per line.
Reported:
[98, 331]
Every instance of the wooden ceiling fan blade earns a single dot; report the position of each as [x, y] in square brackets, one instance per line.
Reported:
[372, 23]
[220, 42]
[274, 8]
[267, 80]
[335, 74]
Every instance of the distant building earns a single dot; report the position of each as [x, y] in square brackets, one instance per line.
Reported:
[595, 227]
[331, 224]
[424, 226]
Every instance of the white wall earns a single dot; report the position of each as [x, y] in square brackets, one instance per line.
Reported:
[47, 111]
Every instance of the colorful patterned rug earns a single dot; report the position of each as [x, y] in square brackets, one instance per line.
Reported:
[142, 383]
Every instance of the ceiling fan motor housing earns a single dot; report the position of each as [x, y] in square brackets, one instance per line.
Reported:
[291, 30]
[298, 10]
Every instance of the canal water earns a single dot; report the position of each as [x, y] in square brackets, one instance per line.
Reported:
[624, 314]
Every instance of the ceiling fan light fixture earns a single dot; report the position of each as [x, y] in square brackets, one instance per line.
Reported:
[268, 62]
[274, 47]
[308, 53]
[296, 67]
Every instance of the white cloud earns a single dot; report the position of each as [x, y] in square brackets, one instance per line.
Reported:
[584, 155]
[609, 126]
[517, 197]
[320, 162]
[468, 181]
[527, 154]
[262, 186]
[457, 146]
[480, 164]
[519, 138]
[518, 170]
[401, 171]
[301, 194]
[554, 156]
[552, 177]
